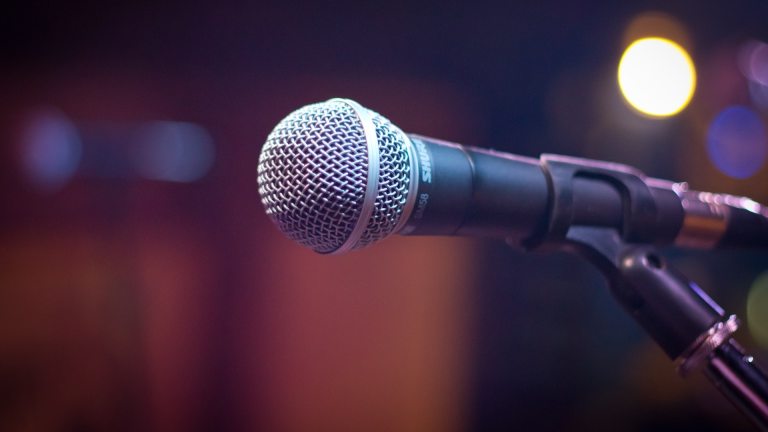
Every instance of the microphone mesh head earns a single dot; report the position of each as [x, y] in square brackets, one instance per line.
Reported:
[314, 174]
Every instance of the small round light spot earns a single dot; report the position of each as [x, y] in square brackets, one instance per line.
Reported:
[736, 142]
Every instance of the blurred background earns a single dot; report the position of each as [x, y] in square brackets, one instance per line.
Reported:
[142, 287]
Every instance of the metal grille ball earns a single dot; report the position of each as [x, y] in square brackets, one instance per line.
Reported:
[313, 173]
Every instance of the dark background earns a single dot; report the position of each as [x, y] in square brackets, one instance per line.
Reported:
[132, 304]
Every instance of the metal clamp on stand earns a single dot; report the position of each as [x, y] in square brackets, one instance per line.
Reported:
[697, 355]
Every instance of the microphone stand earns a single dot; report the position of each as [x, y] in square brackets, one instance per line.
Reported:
[688, 325]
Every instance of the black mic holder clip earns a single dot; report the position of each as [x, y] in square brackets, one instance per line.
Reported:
[685, 322]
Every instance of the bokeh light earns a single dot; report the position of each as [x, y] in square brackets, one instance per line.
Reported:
[736, 142]
[753, 62]
[50, 150]
[657, 76]
[757, 310]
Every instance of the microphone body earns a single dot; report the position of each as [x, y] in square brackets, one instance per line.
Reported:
[477, 192]
[313, 180]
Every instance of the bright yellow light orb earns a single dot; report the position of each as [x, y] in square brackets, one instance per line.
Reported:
[657, 76]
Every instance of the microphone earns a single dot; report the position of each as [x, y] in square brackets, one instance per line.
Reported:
[335, 176]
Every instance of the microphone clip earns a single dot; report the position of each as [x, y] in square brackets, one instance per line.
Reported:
[685, 322]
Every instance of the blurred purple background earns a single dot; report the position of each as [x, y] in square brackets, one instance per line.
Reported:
[142, 287]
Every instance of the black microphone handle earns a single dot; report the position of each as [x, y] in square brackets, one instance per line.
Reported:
[476, 192]
[465, 191]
